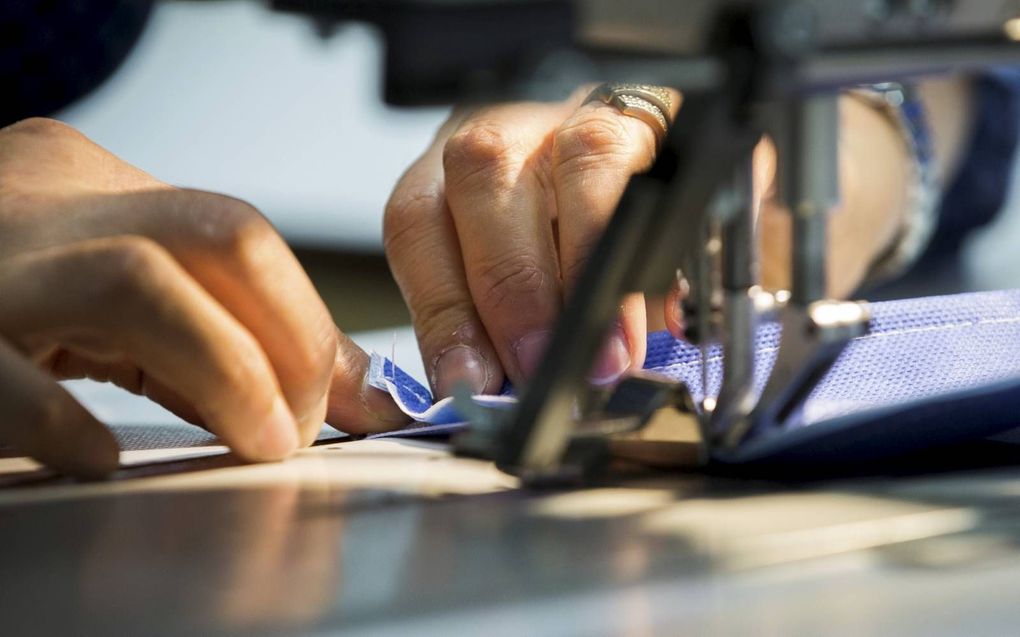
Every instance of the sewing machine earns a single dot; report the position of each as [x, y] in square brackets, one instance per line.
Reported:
[746, 69]
[378, 538]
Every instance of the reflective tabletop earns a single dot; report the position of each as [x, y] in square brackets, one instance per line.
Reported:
[394, 537]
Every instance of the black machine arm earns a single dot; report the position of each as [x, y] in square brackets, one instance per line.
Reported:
[446, 51]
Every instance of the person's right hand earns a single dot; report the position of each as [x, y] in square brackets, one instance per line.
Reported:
[489, 230]
[190, 298]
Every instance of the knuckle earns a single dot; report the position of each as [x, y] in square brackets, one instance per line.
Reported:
[438, 315]
[42, 127]
[504, 280]
[598, 135]
[28, 145]
[484, 151]
[435, 300]
[232, 231]
[129, 267]
[226, 223]
[132, 258]
[407, 216]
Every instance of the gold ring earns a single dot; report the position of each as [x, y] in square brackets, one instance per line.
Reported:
[647, 102]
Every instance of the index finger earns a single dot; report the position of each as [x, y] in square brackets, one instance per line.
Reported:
[229, 248]
[595, 153]
[500, 204]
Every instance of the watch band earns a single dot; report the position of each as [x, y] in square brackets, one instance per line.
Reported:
[901, 104]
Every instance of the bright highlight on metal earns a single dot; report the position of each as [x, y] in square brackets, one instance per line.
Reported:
[1012, 29]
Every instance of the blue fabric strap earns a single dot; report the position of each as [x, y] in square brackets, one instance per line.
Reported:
[930, 371]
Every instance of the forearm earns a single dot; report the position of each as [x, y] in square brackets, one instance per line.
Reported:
[875, 182]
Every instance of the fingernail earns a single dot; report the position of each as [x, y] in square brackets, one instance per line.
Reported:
[459, 364]
[530, 349]
[278, 437]
[613, 361]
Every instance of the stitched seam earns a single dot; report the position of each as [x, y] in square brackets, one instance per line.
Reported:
[399, 384]
[943, 327]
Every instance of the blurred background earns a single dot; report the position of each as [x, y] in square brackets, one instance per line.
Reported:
[231, 97]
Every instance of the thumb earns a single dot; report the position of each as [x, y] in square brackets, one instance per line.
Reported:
[355, 406]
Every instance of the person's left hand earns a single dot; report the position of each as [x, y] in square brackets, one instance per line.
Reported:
[190, 298]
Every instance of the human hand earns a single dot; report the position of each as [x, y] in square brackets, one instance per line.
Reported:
[190, 298]
[490, 228]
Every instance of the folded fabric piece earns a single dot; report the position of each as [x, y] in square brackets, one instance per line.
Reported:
[930, 371]
[416, 400]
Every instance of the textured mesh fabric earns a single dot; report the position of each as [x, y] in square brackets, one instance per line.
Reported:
[929, 371]
[915, 348]
[178, 435]
[161, 436]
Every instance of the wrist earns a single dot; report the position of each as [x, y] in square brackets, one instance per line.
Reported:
[908, 182]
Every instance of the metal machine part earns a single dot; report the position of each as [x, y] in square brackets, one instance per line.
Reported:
[441, 51]
[747, 69]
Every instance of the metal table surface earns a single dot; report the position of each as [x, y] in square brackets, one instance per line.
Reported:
[389, 537]
[392, 537]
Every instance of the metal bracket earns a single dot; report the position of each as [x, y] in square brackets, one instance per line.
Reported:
[647, 421]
